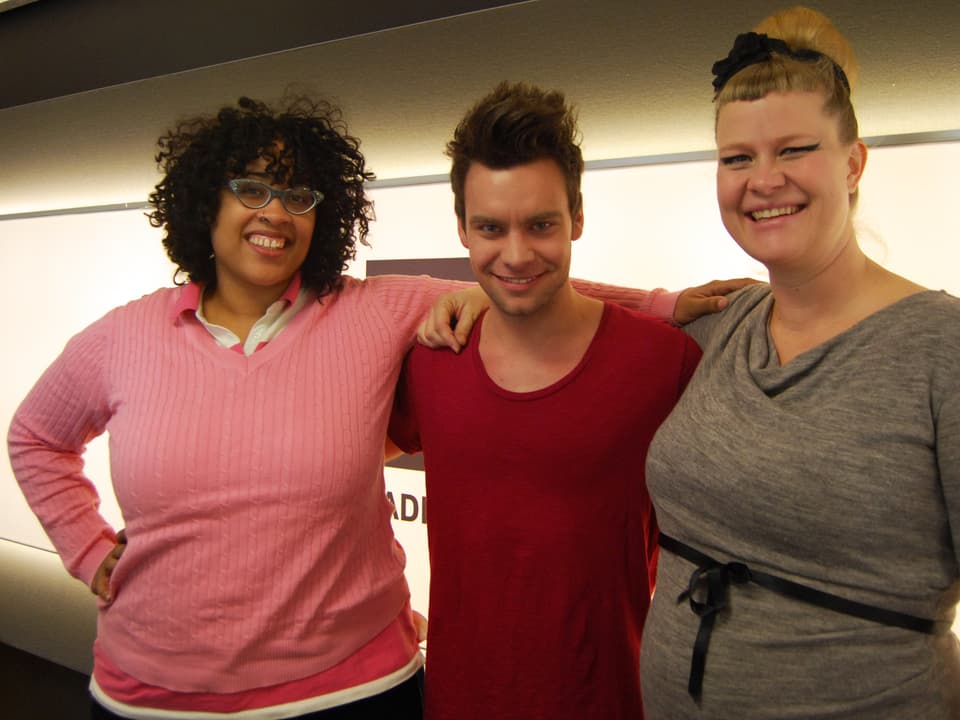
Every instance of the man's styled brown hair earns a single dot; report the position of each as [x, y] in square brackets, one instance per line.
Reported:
[516, 124]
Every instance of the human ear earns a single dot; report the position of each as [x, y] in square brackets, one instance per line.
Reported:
[856, 162]
[577, 224]
[461, 231]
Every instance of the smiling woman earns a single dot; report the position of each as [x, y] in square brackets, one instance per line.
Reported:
[303, 147]
[810, 534]
[784, 181]
[247, 411]
[258, 246]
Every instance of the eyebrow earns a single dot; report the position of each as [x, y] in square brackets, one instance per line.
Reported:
[483, 219]
[795, 139]
[547, 215]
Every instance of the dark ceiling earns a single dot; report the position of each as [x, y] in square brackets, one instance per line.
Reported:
[50, 48]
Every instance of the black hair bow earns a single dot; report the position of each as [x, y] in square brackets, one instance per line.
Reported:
[751, 48]
[748, 49]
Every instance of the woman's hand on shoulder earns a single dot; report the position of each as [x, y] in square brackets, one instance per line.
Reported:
[706, 299]
[451, 318]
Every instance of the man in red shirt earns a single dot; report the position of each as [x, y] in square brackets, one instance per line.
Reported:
[541, 533]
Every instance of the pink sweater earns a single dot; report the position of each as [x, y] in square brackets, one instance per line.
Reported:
[252, 489]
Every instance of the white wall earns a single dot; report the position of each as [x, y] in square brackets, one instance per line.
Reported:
[646, 226]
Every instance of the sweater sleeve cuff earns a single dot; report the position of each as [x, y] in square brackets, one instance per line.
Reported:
[664, 304]
[87, 565]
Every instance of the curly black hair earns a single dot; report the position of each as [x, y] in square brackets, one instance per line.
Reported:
[304, 142]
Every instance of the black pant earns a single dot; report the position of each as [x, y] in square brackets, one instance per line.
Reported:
[403, 702]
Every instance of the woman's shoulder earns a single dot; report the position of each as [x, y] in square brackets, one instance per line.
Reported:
[920, 331]
[931, 316]
[938, 301]
[161, 303]
[927, 309]
[742, 304]
[749, 296]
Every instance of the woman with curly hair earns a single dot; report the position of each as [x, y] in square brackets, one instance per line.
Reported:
[305, 147]
[258, 575]
[807, 484]
[247, 409]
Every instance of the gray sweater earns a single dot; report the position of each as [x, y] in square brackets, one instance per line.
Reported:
[840, 471]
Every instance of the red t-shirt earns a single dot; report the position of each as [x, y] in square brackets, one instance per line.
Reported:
[541, 532]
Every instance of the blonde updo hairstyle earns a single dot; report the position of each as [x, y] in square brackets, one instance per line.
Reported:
[801, 29]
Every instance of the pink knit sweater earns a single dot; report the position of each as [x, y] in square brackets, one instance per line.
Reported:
[252, 488]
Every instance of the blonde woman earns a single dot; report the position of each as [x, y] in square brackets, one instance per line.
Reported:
[807, 485]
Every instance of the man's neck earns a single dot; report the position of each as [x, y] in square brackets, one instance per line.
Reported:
[523, 353]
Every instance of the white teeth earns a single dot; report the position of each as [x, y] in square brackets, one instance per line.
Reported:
[516, 281]
[267, 242]
[774, 212]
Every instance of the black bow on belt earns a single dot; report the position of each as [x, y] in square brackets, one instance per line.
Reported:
[717, 578]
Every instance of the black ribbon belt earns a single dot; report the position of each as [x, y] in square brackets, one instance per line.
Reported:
[717, 578]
